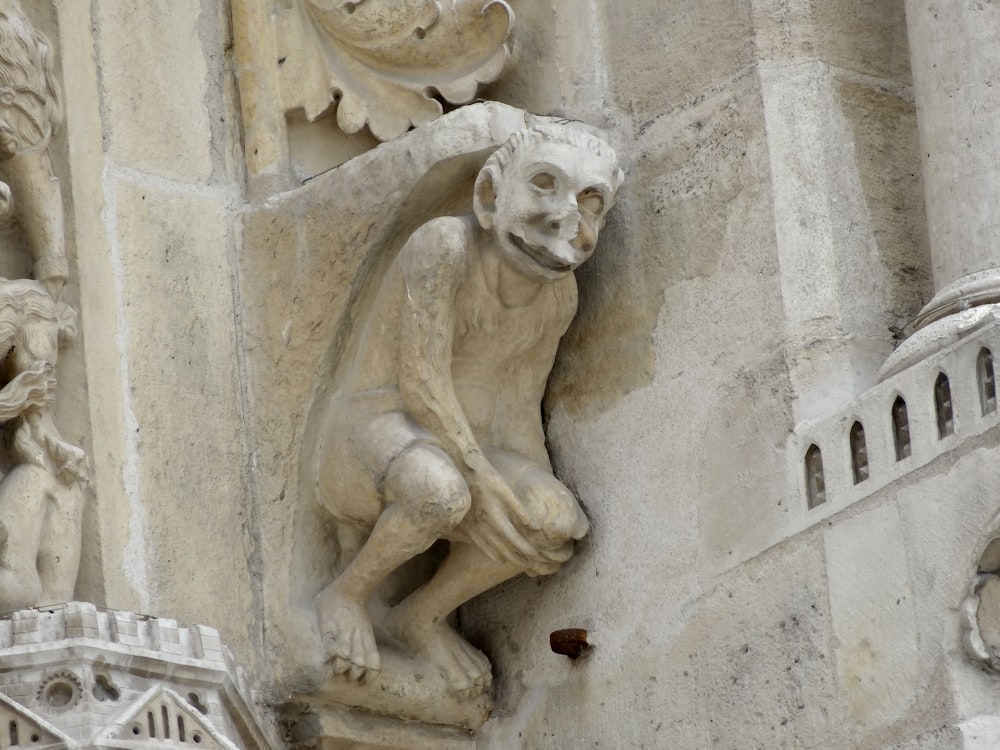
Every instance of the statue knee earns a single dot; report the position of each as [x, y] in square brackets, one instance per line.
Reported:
[425, 479]
[554, 508]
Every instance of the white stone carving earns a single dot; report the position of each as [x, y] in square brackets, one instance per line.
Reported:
[433, 426]
[973, 414]
[42, 495]
[78, 677]
[381, 61]
[42, 492]
[30, 109]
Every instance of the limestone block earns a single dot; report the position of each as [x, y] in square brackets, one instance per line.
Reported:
[980, 733]
[865, 36]
[554, 69]
[658, 67]
[333, 728]
[873, 617]
[945, 738]
[836, 194]
[183, 518]
[682, 681]
[156, 83]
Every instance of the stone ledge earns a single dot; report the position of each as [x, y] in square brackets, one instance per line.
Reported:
[75, 672]
[335, 727]
[915, 385]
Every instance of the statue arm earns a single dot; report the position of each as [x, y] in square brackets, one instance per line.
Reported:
[35, 386]
[433, 263]
[519, 412]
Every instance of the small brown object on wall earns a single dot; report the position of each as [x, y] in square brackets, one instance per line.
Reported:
[571, 642]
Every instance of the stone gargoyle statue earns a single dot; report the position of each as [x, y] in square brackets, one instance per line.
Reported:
[433, 427]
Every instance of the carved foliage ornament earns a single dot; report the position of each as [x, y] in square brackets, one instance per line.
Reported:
[382, 61]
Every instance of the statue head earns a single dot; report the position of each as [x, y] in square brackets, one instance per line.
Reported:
[545, 194]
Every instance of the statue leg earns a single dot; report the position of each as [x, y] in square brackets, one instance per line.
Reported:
[425, 498]
[59, 545]
[421, 620]
[38, 203]
[23, 495]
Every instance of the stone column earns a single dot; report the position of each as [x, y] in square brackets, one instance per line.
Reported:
[956, 74]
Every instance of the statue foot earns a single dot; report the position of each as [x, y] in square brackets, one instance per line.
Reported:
[346, 630]
[466, 668]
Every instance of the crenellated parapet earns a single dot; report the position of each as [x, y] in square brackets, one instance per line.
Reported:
[905, 422]
[77, 676]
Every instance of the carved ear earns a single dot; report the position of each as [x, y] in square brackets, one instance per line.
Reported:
[484, 197]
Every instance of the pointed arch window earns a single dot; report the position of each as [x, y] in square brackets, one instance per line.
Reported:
[987, 381]
[859, 453]
[942, 406]
[815, 482]
[900, 428]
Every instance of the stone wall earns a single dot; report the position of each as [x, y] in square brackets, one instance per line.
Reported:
[151, 145]
[767, 252]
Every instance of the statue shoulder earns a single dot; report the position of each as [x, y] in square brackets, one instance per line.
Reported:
[444, 241]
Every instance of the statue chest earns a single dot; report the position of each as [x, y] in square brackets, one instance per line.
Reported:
[490, 333]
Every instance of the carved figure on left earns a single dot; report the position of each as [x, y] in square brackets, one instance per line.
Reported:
[434, 428]
[30, 110]
[42, 493]
[42, 496]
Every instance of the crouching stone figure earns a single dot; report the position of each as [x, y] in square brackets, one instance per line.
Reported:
[433, 429]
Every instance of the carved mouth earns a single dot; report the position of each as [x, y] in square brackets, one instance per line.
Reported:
[540, 255]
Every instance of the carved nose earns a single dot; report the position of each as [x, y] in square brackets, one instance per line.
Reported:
[566, 224]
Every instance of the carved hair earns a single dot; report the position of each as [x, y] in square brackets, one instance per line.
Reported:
[27, 303]
[40, 323]
[552, 133]
[30, 105]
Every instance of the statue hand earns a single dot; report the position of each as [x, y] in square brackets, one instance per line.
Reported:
[38, 385]
[490, 523]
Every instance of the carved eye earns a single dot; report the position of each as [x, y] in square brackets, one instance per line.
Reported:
[544, 181]
[591, 200]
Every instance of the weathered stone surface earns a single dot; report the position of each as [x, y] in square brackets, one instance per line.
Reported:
[157, 226]
[873, 617]
[77, 676]
[768, 251]
[156, 82]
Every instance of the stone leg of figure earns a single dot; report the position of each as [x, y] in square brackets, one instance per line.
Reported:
[420, 621]
[59, 546]
[423, 498]
[23, 497]
[5, 200]
[39, 208]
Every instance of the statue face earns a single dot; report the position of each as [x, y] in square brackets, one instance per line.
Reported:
[550, 207]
